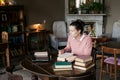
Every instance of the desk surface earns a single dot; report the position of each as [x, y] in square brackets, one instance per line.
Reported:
[46, 69]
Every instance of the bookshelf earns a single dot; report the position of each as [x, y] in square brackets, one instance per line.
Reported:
[12, 21]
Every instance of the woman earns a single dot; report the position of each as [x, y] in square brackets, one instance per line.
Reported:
[78, 42]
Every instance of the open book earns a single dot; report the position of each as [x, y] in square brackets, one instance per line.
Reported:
[65, 57]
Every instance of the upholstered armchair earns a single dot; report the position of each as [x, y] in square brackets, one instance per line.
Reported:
[59, 37]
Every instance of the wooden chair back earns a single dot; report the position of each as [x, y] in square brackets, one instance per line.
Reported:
[111, 52]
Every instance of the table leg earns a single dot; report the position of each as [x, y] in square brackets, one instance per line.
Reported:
[7, 57]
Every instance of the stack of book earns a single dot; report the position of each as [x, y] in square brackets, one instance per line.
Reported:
[41, 56]
[83, 62]
[62, 65]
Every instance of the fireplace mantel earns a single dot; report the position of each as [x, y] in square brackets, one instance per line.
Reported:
[96, 18]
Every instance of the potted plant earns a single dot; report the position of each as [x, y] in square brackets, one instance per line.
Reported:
[91, 7]
[96, 7]
[85, 8]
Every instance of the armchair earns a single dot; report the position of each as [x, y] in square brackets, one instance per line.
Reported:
[115, 35]
[60, 33]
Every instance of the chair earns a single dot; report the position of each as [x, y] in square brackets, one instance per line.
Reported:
[97, 43]
[60, 32]
[111, 61]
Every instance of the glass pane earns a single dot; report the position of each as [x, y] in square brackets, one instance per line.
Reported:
[75, 5]
[71, 6]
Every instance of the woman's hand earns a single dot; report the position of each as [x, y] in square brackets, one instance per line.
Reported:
[71, 59]
[61, 52]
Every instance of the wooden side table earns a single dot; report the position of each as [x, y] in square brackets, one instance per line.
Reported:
[5, 46]
[97, 40]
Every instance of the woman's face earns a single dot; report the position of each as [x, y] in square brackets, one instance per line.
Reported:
[73, 31]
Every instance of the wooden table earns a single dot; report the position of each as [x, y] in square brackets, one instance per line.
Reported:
[98, 40]
[44, 71]
[4, 46]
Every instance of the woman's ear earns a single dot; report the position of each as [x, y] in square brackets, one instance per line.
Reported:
[79, 31]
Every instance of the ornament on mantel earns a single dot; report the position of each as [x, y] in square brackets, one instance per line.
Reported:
[7, 2]
[10, 2]
[4, 36]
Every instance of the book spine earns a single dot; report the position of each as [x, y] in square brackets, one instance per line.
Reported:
[83, 68]
[80, 63]
[61, 59]
[63, 66]
[78, 67]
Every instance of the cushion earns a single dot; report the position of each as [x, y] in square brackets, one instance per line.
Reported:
[110, 60]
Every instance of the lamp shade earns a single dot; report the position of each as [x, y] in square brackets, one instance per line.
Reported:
[36, 27]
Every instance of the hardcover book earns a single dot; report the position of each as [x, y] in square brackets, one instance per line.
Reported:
[64, 56]
[83, 58]
[84, 64]
[62, 69]
[41, 54]
[83, 68]
[63, 65]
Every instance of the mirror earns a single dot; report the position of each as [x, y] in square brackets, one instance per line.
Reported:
[75, 5]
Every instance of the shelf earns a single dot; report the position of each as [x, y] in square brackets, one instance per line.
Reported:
[12, 7]
[15, 33]
[12, 20]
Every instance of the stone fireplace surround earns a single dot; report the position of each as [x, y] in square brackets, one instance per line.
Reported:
[97, 19]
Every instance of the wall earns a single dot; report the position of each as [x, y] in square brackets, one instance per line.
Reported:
[50, 10]
[113, 13]
[39, 10]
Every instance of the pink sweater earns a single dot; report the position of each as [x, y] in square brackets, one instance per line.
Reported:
[79, 47]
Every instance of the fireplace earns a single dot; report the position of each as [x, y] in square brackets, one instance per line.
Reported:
[95, 19]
